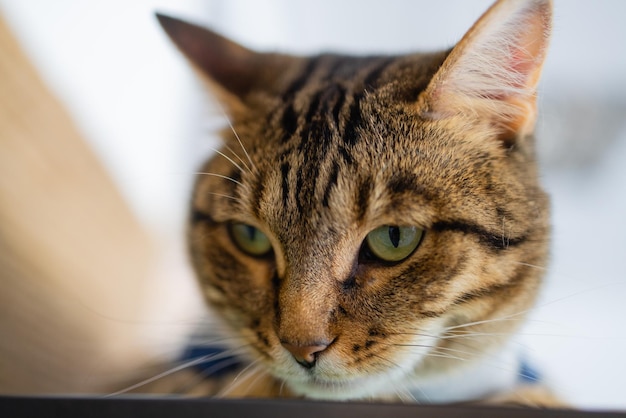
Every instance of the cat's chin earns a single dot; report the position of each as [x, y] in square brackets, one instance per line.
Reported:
[377, 386]
[338, 391]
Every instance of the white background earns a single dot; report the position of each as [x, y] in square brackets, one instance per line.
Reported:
[133, 96]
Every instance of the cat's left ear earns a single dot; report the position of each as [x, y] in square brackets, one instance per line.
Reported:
[492, 73]
[233, 70]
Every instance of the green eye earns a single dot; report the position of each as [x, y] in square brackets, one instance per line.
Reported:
[250, 240]
[394, 243]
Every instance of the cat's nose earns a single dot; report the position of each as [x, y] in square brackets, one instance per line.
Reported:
[305, 355]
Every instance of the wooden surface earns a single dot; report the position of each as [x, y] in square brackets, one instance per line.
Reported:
[74, 262]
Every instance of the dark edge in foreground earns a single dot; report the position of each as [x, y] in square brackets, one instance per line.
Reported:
[156, 407]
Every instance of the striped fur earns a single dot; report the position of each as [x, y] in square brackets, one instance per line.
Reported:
[324, 150]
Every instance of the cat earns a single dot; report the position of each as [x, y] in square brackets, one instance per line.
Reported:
[374, 226]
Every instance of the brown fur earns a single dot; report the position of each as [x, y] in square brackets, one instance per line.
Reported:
[324, 150]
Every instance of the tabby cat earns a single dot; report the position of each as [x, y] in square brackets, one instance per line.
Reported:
[372, 227]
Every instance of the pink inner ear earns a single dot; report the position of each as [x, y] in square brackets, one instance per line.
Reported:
[525, 70]
[529, 52]
[493, 71]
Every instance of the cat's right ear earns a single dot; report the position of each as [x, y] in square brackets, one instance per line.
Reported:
[492, 73]
[234, 70]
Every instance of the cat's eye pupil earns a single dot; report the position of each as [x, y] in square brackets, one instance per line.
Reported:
[251, 232]
[394, 236]
[393, 243]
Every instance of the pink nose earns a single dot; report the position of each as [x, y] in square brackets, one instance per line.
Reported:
[306, 355]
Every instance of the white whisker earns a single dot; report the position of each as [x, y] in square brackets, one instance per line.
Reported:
[422, 394]
[486, 321]
[440, 350]
[232, 128]
[169, 372]
[449, 336]
[230, 159]
[208, 340]
[236, 199]
[404, 395]
[531, 265]
[446, 356]
[282, 386]
[220, 176]
[260, 373]
[238, 157]
[244, 374]
[202, 375]
[395, 365]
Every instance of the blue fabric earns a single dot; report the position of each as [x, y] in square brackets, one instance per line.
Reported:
[216, 364]
[528, 374]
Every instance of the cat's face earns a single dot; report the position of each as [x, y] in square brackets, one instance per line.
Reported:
[359, 231]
